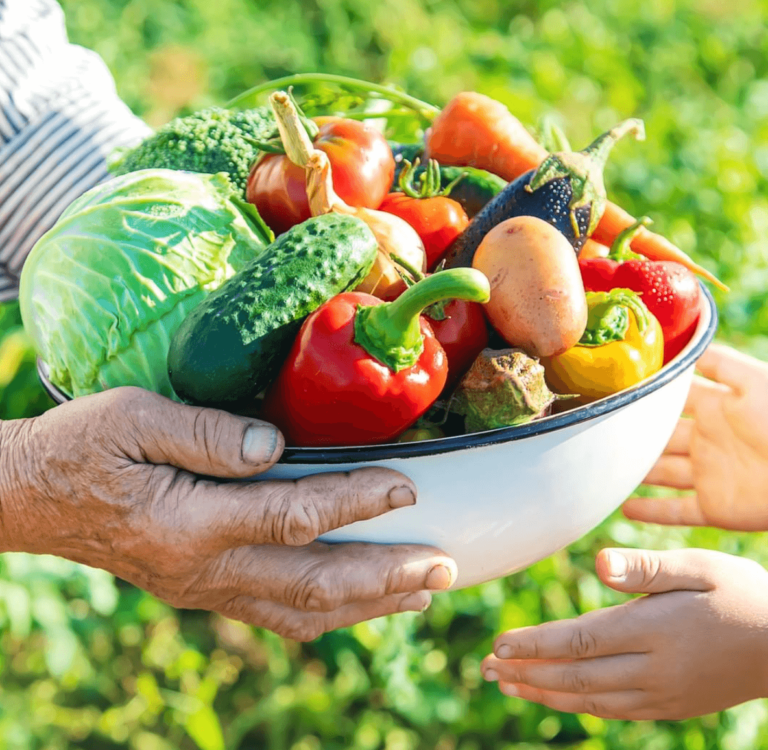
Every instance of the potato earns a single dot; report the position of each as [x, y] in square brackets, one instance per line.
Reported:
[537, 296]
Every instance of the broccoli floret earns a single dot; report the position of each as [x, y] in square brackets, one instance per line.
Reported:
[210, 141]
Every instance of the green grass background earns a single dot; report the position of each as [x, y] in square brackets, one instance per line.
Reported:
[88, 662]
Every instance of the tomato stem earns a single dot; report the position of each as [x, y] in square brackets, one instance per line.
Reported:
[413, 273]
[429, 180]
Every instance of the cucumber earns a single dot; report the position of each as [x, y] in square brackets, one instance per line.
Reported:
[473, 192]
[231, 346]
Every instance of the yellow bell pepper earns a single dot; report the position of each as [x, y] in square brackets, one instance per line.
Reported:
[622, 345]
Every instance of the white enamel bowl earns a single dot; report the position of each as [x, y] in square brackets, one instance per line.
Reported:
[501, 500]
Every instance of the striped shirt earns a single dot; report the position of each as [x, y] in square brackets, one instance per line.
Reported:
[60, 118]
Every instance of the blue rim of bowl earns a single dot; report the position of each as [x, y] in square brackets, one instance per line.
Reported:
[386, 451]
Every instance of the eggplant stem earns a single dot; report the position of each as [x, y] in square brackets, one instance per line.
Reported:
[601, 147]
[584, 171]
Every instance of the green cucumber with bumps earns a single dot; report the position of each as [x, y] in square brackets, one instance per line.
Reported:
[232, 345]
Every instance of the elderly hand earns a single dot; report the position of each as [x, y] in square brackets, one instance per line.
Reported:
[697, 644]
[720, 452]
[114, 481]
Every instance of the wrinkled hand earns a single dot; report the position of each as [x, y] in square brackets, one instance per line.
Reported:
[698, 644]
[114, 481]
[721, 451]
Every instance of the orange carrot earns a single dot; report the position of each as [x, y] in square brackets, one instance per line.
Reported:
[474, 130]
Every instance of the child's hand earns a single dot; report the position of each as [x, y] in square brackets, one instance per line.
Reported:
[697, 644]
[721, 452]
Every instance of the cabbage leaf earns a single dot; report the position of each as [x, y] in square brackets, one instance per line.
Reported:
[104, 290]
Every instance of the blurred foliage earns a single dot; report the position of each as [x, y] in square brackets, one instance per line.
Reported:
[90, 662]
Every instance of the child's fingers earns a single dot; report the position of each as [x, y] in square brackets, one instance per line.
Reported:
[628, 704]
[640, 571]
[671, 471]
[605, 674]
[672, 511]
[600, 633]
[703, 392]
[730, 367]
[680, 442]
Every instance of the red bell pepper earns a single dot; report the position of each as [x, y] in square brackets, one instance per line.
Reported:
[669, 290]
[460, 327]
[361, 370]
[458, 324]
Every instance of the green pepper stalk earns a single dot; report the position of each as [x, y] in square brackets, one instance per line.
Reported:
[391, 333]
[608, 316]
[621, 250]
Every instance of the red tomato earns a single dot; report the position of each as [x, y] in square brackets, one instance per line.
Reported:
[361, 161]
[437, 220]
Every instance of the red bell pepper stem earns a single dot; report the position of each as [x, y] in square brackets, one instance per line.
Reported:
[391, 333]
[620, 249]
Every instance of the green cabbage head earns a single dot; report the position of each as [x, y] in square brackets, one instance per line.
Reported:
[104, 290]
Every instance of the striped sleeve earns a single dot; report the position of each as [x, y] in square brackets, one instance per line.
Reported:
[60, 120]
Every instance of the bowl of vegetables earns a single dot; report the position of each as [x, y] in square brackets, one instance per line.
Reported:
[481, 319]
[500, 500]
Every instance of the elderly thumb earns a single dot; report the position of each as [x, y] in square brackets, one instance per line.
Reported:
[640, 571]
[203, 441]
